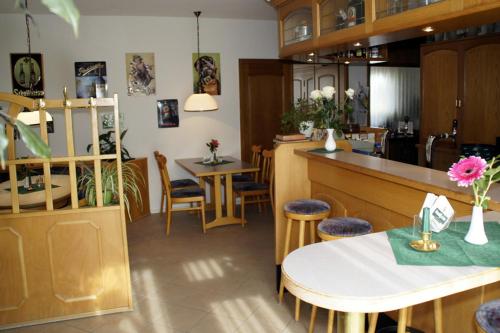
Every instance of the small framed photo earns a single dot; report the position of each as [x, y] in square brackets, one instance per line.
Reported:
[168, 114]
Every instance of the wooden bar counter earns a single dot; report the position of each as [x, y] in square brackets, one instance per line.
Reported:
[387, 194]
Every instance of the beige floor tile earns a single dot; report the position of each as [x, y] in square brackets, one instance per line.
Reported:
[59, 327]
[216, 323]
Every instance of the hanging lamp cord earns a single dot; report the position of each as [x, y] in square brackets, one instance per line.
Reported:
[198, 13]
[28, 40]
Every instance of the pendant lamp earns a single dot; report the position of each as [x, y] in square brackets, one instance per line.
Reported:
[200, 101]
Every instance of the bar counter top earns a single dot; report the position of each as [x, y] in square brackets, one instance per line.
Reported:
[417, 177]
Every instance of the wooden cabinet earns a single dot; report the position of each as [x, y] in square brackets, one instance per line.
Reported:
[460, 81]
[376, 22]
[136, 211]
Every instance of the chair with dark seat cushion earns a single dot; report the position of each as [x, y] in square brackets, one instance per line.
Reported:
[302, 211]
[192, 195]
[340, 227]
[488, 317]
[250, 186]
[175, 184]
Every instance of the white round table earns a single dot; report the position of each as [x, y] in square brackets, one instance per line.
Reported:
[360, 275]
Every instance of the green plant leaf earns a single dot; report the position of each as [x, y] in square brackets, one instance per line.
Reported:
[32, 140]
[65, 9]
[4, 142]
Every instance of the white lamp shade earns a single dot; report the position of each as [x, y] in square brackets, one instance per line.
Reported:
[200, 103]
[32, 117]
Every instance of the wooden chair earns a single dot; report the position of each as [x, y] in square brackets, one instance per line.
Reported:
[191, 195]
[261, 190]
[251, 176]
[176, 184]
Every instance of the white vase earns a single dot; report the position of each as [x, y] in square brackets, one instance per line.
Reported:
[330, 144]
[476, 234]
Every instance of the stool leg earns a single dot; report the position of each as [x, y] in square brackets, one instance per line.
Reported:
[302, 232]
[331, 319]
[403, 313]
[287, 248]
[409, 316]
[438, 316]
[373, 322]
[312, 231]
[314, 311]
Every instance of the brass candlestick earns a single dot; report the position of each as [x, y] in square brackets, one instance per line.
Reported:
[426, 244]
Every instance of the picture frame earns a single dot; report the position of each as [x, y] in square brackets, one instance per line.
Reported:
[168, 113]
[206, 73]
[141, 79]
[27, 74]
[91, 79]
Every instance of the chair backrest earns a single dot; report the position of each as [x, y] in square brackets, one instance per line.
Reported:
[265, 174]
[161, 160]
[256, 150]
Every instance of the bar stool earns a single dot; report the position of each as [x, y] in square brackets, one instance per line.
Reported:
[302, 211]
[337, 228]
[488, 317]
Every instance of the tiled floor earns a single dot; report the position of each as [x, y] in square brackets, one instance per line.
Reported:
[221, 282]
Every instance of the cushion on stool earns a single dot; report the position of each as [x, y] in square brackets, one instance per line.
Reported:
[187, 192]
[183, 183]
[488, 316]
[345, 227]
[250, 186]
[245, 177]
[307, 206]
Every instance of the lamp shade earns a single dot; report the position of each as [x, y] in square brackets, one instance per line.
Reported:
[200, 103]
[32, 117]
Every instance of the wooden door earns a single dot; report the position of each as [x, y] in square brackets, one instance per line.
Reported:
[481, 112]
[439, 91]
[265, 94]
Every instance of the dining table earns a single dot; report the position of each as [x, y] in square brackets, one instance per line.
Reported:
[226, 167]
[361, 275]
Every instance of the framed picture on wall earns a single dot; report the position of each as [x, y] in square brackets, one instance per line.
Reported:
[27, 74]
[91, 79]
[140, 74]
[168, 113]
[206, 73]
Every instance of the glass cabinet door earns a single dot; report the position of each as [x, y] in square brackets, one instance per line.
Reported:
[297, 26]
[340, 14]
[391, 7]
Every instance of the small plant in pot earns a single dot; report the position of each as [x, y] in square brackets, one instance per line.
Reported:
[107, 145]
[297, 119]
[109, 178]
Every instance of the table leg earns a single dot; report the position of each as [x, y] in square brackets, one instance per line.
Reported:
[218, 198]
[229, 195]
[354, 322]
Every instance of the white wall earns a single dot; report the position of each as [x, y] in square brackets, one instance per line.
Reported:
[173, 40]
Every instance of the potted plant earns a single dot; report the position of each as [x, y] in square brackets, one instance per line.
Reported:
[297, 120]
[109, 179]
[107, 145]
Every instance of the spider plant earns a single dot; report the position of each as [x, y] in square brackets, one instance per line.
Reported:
[109, 178]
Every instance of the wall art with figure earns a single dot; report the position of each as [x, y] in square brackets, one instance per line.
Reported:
[91, 79]
[27, 74]
[206, 73]
[140, 74]
[168, 114]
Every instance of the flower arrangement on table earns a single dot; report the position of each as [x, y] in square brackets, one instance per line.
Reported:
[481, 175]
[324, 110]
[213, 145]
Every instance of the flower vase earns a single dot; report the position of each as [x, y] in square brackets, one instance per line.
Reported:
[330, 144]
[476, 234]
[214, 157]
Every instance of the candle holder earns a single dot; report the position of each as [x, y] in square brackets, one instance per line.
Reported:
[426, 244]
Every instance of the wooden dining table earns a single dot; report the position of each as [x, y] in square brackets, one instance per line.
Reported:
[360, 275]
[232, 166]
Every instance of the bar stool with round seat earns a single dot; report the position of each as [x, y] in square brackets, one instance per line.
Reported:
[302, 211]
[488, 317]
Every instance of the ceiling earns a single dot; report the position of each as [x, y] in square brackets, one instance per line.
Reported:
[237, 9]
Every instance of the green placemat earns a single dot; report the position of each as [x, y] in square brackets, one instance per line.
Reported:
[215, 164]
[324, 151]
[35, 188]
[454, 251]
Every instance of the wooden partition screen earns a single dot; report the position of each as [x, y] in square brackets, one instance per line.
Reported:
[61, 263]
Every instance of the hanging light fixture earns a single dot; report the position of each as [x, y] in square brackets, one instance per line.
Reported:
[200, 101]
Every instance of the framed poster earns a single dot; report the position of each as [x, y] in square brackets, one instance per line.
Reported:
[140, 74]
[168, 114]
[206, 73]
[91, 79]
[27, 74]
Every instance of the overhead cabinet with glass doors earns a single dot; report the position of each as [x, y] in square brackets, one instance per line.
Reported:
[333, 25]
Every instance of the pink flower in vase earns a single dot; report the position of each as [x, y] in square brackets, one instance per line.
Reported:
[467, 170]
